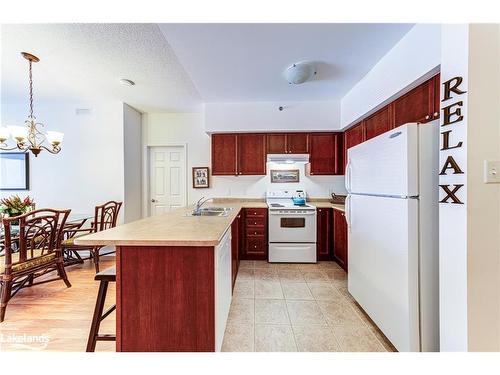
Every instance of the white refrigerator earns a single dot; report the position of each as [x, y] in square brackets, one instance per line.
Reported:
[392, 216]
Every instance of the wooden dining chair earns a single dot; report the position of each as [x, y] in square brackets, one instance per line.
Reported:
[37, 251]
[105, 217]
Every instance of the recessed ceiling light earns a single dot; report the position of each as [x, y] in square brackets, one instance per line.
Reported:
[300, 72]
[126, 82]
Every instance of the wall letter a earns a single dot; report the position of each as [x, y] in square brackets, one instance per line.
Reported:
[450, 163]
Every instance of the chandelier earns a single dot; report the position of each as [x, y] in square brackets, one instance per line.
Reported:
[29, 137]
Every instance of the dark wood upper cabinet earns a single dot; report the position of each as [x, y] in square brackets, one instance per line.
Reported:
[379, 122]
[288, 143]
[340, 238]
[415, 106]
[437, 96]
[238, 154]
[251, 154]
[325, 154]
[224, 157]
[297, 143]
[276, 143]
[352, 137]
[324, 233]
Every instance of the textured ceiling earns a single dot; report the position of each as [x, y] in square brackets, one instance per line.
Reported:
[244, 62]
[87, 60]
[177, 66]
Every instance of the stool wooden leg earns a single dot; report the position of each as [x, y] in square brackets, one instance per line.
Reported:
[95, 257]
[96, 319]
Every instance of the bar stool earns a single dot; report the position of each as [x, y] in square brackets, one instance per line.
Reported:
[105, 277]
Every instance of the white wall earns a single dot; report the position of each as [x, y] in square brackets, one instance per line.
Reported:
[89, 169]
[453, 217]
[265, 116]
[483, 213]
[188, 128]
[410, 62]
[132, 141]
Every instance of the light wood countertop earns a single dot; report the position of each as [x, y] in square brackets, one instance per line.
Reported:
[327, 204]
[174, 228]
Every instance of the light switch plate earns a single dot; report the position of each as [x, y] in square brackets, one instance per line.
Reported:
[491, 171]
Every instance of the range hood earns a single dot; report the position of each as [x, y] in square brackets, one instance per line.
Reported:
[288, 158]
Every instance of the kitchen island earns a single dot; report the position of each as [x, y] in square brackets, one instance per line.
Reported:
[173, 275]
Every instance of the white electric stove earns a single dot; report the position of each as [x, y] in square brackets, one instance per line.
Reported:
[292, 228]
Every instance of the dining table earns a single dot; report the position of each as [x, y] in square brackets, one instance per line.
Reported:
[74, 220]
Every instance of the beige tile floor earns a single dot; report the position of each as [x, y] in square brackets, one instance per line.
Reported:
[297, 307]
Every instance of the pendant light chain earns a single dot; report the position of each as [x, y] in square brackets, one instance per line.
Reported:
[31, 89]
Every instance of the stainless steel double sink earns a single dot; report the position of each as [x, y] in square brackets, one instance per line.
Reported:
[211, 211]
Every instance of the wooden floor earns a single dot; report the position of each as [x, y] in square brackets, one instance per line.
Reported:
[51, 317]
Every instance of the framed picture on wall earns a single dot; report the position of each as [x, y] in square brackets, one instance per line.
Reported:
[200, 177]
[282, 176]
[14, 171]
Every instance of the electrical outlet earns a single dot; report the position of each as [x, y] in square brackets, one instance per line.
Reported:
[491, 171]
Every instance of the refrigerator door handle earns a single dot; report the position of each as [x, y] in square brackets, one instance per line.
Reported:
[348, 177]
[348, 212]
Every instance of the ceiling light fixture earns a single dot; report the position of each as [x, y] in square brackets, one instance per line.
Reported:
[29, 137]
[300, 72]
[126, 82]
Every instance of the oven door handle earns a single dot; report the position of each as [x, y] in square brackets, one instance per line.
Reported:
[292, 213]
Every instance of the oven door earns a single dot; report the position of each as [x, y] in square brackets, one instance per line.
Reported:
[292, 227]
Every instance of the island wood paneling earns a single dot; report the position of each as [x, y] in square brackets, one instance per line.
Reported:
[165, 299]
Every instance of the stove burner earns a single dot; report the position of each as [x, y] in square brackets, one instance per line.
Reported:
[276, 205]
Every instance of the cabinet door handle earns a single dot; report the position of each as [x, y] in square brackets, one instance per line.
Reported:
[436, 114]
[427, 117]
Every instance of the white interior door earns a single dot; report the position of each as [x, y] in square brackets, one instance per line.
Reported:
[167, 184]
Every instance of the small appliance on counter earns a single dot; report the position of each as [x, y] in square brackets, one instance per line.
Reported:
[338, 199]
[299, 201]
[292, 227]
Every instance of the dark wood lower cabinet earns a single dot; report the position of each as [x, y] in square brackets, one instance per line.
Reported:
[324, 233]
[165, 299]
[340, 238]
[255, 246]
[235, 246]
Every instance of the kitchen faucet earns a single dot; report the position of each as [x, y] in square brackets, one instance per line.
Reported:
[201, 202]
